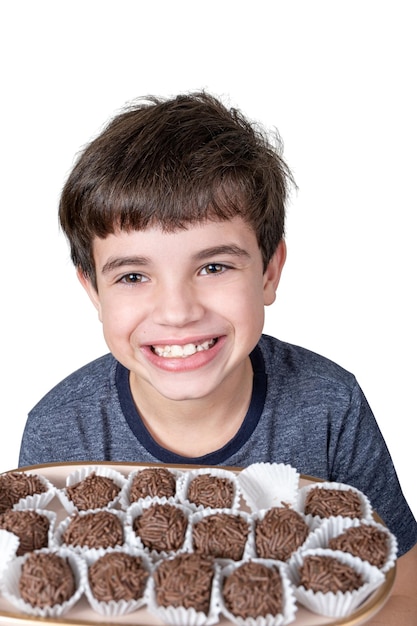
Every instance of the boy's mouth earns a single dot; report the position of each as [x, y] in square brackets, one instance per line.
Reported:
[176, 351]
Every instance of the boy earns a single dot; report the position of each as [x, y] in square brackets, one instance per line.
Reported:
[175, 218]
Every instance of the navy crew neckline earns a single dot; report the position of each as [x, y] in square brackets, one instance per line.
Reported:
[218, 457]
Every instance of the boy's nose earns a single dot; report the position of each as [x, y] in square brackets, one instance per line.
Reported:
[177, 305]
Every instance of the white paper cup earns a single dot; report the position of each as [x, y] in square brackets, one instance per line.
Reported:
[37, 500]
[10, 585]
[213, 471]
[125, 494]
[80, 475]
[9, 543]
[115, 608]
[265, 485]
[337, 605]
[134, 540]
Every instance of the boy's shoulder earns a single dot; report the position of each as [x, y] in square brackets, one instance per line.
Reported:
[293, 361]
[92, 379]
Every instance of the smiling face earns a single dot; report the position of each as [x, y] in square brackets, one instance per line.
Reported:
[183, 310]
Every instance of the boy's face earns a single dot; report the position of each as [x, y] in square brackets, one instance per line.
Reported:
[183, 310]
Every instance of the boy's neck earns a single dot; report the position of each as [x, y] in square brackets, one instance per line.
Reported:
[193, 428]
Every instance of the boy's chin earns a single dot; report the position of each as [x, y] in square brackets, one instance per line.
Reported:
[185, 392]
[183, 387]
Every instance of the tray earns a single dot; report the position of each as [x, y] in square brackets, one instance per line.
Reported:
[83, 615]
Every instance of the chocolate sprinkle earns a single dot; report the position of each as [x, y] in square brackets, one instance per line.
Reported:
[210, 491]
[31, 527]
[221, 535]
[280, 533]
[93, 492]
[17, 485]
[161, 527]
[326, 573]
[46, 580]
[185, 581]
[118, 576]
[366, 541]
[153, 482]
[100, 529]
[329, 502]
[253, 590]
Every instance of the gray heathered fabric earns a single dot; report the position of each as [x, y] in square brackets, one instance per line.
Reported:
[315, 418]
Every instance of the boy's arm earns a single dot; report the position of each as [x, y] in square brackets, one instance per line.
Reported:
[401, 608]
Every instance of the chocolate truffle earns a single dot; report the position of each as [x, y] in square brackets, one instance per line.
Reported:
[31, 527]
[207, 490]
[161, 527]
[99, 529]
[366, 541]
[326, 573]
[329, 502]
[117, 576]
[46, 580]
[185, 581]
[155, 482]
[92, 492]
[17, 485]
[220, 535]
[280, 533]
[253, 590]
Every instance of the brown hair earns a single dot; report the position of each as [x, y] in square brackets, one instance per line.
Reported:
[171, 163]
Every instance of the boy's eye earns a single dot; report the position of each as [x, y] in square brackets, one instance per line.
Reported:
[213, 268]
[133, 278]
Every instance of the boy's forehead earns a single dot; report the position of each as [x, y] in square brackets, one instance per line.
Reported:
[190, 238]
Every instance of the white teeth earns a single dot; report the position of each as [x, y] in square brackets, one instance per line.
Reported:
[176, 351]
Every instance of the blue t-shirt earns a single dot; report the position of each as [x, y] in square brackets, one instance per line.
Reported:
[305, 411]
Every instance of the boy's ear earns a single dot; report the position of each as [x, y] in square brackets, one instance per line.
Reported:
[273, 271]
[90, 289]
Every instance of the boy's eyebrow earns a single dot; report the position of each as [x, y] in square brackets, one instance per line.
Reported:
[201, 255]
[232, 249]
[115, 263]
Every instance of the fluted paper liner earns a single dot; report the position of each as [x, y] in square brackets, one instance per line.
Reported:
[80, 474]
[337, 605]
[37, 500]
[136, 509]
[125, 502]
[265, 485]
[115, 608]
[9, 543]
[10, 585]
[213, 471]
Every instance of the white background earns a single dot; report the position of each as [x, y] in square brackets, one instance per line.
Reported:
[338, 81]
